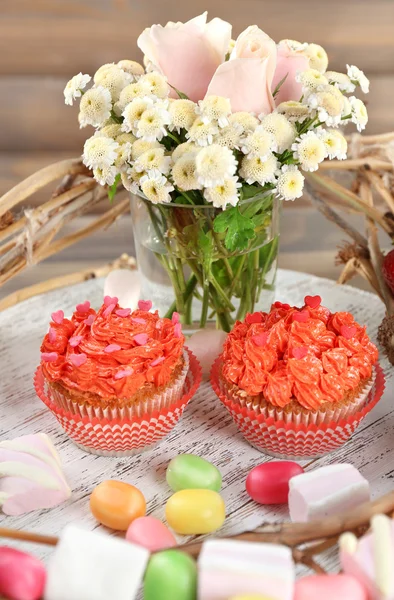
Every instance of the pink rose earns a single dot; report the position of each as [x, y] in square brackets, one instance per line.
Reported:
[188, 54]
[246, 79]
[289, 61]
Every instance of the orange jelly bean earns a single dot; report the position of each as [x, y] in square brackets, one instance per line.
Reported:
[116, 504]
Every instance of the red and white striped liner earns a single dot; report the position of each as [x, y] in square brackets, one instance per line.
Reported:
[288, 440]
[121, 437]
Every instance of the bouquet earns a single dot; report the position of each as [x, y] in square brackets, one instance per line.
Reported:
[209, 136]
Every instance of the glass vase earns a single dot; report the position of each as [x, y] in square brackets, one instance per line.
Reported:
[186, 266]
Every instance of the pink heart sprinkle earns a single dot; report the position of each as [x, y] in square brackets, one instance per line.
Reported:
[261, 339]
[123, 312]
[145, 305]
[78, 359]
[300, 352]
[348, 332]
[138, 320]
[256, 317]
[178, 330]
[301, 316]
[312, 301]
[141, 339]
[157, 361]
[83, 308]
[109, 310]
[58, 317]
[89, 321]
[75, 341]
[108, 300]
[123, 373]
[52, 335]
[49, 356]
[112, 348]
[175, 318]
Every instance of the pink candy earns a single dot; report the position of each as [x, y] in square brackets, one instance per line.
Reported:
[123, 312]
[22, 577]
[269, 483]
[75, 341]
[150, 533]
[123, 373]
[58, 317]
[108, 300]
[52, 335]
[49, 356]
[89, 321]
[141, 339]
[78, 359]
[178, 330]
[157, 361]
[145, 305]
[110, 308]
[83, 308]
[112, 348]
[329, 587]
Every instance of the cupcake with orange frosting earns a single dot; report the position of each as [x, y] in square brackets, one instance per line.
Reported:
[128, 370]
[296, 367]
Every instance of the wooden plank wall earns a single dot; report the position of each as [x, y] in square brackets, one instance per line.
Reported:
[44, 42]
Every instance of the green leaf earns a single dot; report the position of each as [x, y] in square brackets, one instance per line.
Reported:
[281, 82]
[180, 94]
[239, 229]
[113, 188]
[268, 253]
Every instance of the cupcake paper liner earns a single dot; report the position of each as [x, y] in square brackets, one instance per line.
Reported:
[129, 434]
[291, 438]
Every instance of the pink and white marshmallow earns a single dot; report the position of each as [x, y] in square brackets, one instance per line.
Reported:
[326, 491]
[228, 568]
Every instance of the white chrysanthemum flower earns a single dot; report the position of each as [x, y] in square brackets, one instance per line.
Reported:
[105, 175]
[182, 113]
[214, 165]
[335, 143]
[329, 103]
[99, 152]
[74, 88]
[140, 146]
[123, 138]
[283, 131]
[128, 182]
[113, 79]
[346, 111]
[202, 133]
[341, 81]
[153, 159]
[290, 183]
[133, 113]
[231, 46]
[184, 173]
[129, 93]
[245, 120]
[310, 150]
[230, 136]
[132, 67]
[112, 130]
[123, 156]
[359, 113]
[152, 125]
[225, 193]
[293, 111]
[156, 84]
[311, 79]
[357, 76]
[255, 170]
[156, 187]
[261, 143]
[318, 58]
[183, 149]
[294, 45]
[95, 107]
[214, 109]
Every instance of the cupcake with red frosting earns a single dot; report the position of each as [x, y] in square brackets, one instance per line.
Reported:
[297, 368]
[124, 377]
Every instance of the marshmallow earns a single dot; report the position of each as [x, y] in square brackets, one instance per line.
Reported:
[326, 491]
[231, 568]
[329, 587]
[206, 345]
[125, 284]
[371, 559]
[93, 566]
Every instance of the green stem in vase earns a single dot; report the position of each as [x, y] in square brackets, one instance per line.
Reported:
[205, 304]
[190, 288]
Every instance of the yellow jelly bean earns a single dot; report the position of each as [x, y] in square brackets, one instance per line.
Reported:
[192, 512]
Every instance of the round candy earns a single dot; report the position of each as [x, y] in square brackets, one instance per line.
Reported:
[269, 483]
[192, 512]
[329, 587]
[150, 533]
[116, 504]
[170, 574]
[22, 577]
[189, 471]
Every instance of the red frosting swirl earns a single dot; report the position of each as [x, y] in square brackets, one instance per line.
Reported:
[104, 353]
[306, 354]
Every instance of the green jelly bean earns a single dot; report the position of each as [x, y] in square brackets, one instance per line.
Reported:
[170, 574]
[188, 471]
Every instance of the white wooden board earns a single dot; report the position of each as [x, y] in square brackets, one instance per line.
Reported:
[205, 429]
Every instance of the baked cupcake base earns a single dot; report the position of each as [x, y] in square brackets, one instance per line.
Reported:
[292, 440]
[128, 434]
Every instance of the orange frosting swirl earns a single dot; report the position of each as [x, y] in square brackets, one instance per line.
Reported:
[305, 354]
[110, 355]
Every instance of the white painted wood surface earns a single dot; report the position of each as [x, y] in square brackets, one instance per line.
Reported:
[205, 429]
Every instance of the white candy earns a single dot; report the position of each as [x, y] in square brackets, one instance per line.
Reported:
[206, 345]
[125, 285]
[93, 566]
[326, 491]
